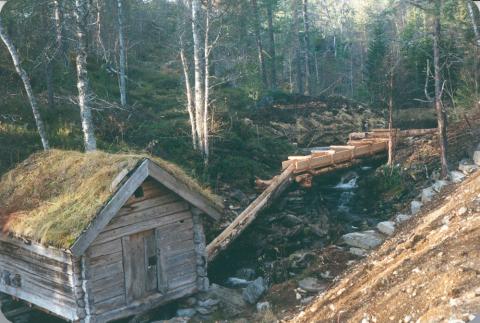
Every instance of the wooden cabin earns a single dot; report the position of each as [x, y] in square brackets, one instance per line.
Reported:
[137, 242]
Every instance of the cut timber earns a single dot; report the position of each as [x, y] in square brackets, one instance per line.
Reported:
[277, 186]
[384, 133]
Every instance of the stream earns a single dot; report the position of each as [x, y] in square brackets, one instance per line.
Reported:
[301, 220]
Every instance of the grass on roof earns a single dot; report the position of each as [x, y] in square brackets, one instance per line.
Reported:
[52, 196]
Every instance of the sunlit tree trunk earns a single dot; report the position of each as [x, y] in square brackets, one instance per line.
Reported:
[123, 55]
[471, 13]
[207, 48]
[273, 54]
[188, 92]
[258, 40]
[199, 72]
[392, 135]
[81, 17]
[26, 83]
[296, 48]
[441, 115]
[306, 40]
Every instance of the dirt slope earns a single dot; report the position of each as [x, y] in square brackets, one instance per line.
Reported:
[428, 272]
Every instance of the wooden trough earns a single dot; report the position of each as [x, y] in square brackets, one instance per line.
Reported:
[301, 169]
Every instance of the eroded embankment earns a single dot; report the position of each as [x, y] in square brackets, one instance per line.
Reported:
[429, 271]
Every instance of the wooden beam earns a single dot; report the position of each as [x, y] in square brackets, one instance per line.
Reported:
[278, 185]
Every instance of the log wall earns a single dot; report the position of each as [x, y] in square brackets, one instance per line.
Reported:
[171, 218]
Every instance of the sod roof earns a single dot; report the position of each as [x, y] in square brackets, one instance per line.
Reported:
[52, 196]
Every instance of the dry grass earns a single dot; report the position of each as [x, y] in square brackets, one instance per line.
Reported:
[52, 196]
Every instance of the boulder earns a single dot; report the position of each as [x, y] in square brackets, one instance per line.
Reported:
[231, 300]
[387, 227]
[363, 240]
[415, 207]
[254, 290]
[476, 157]
[311, 285]
[263, 306]
[402, 218]
[467, 166]
[291, 220]
[457, 176]
[439, 185]
[428, 194]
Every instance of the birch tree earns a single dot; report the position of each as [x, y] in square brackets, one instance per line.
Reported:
[306, 41]
[122, 54]
[258, 41]
[198, 58]
[26, 83]
[81, 17]
[273, 54]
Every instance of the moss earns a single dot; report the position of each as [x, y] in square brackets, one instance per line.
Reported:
[52, 196]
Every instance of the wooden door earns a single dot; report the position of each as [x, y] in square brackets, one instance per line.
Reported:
[140, 265]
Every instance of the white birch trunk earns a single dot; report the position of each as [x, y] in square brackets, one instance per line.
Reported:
[123, 55]
[471, 13]
[26, 83]
[81, 16]
[199, 80]
[188, 92]
[207, 48]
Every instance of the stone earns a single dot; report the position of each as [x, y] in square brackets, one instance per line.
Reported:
[457, 176]
[208, 302]
[439, 185]
[467, 166]
[402, 218]
[186, 312]
[307, 300]
[428, 194]
[235, 282]
[311, 285]
[364, 240]
[462, 211]
[387, 227]
[358, 252]
[254, 290]
[204, 310]
[263, 306]
[231, 300]
[476, 156]
[415, 207]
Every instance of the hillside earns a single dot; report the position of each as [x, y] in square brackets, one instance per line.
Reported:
[427, 272]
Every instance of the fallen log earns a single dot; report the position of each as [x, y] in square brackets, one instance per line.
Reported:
[278, 185]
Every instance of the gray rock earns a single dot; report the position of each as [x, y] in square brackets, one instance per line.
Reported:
[467, 166]
[439, 185]
[231, 300]
[235, 282]
[402, 218]
[428, 194]
[311, 285]
[476, 157]
[263, 306]
[358, 252]
[254, 290]
[186, 312]
[415, 207]
[364, 240]
[457, 176]
[204, 310]
[387, 227]
[208, 302]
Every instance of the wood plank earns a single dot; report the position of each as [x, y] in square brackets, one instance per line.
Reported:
[148, 214]
[148, 203]
[105, 248]
[142, 226]
[48, 252]
[181, 189]
[110, 304]
[105, 260]
[100, 272]
[110, 210]
[162, 276]
[250, 214]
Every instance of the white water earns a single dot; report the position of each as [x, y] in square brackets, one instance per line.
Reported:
[347, 184]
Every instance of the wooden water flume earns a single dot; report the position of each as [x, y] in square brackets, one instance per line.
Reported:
[301, 169]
